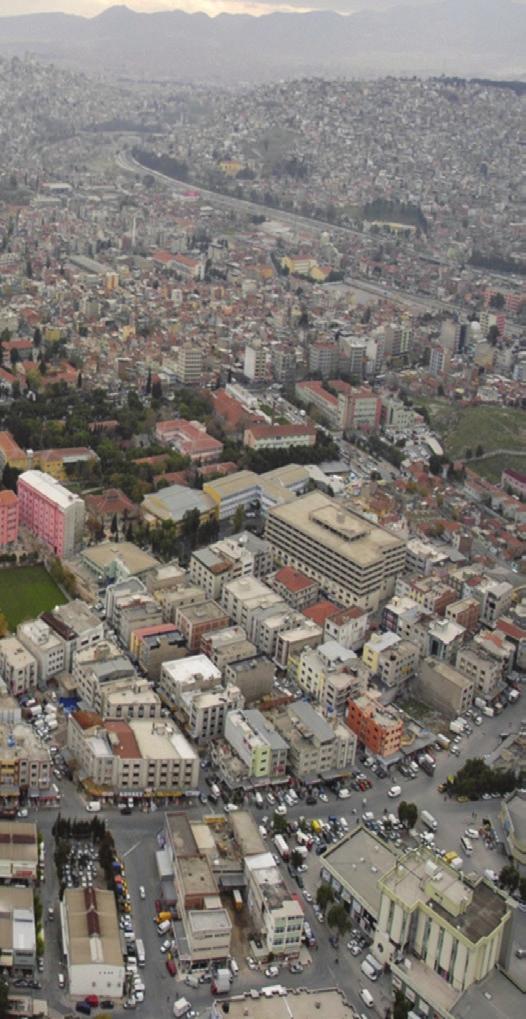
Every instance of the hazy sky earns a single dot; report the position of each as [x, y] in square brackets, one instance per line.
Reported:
[91, 7]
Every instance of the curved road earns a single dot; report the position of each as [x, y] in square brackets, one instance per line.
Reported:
[129, 164]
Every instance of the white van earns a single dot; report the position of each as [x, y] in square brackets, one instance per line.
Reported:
[344, 794]
[367, 997]
[343, 823]
[369, 971]
[394, 791]
[94, 806]
[467, 845]
[234, 968]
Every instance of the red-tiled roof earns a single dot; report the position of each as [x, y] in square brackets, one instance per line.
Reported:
[321, 611]
[127, 745]
[293, 580]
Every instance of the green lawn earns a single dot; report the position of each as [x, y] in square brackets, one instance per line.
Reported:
[492, 427]
[25, 592]
[492, 468]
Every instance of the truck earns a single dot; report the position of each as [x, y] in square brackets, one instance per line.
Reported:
[427, 763]
[52, 723]
[513, 696]
[181, 1007]
[141, 954]
[429, 821]
[303, 851]
[238, 900]
[221, 982]
[282, 847]
[457, 727]
[489, 712]
[443, 741]
[258, 799]
[479, 702]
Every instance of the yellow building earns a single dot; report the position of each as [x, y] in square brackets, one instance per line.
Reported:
[11, 453]
[230, 167]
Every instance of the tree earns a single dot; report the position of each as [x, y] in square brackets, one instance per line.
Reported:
[411, 814]
[14, 356]
[493, 335]
[296, 858]
[338, 917]
[324, 896]
[497, 301]
[4, 997]
[79, 380]
[279, 824]
[114, 527]
[157, 390]
[4, 625]
[522, 888]
[149, 382]
[509, 877]
[479, 450]
[401, 1006]
[239, 519]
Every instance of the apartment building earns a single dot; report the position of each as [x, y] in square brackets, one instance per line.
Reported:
[185, 673]
[188, 364]
[135, 758]
[52, 513]
[354, 561]
[484, 670]
[400, 614]
[324, 673]
[292, 641]
[422, 557]
[25, 765]
[228, 645]
[153, 645]
[195, 621]
[465, 612]
[122, 698]
[245, 594]
[431, 592]
[255, 362]
[172, 601]
[295, 587]
[253, 675]
[206, 926]
[445, 638]
[513, 818]
[18, 667]
[47, 648]
[377, 726]
[256, 743]
[122, 590]
[347, 627]
[76, 625]
[495, 597]
[274, 911]
[8, 517]
[94, 667]
[316, 746]
[444, 687]
[134, 612]
[390, 658]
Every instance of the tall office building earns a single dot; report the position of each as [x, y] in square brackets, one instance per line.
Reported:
[354, 561]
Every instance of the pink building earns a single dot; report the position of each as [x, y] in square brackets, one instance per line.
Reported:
[8, 517]
[189, 438]
[51, 512]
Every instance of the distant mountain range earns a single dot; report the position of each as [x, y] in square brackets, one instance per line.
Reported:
[483, 38]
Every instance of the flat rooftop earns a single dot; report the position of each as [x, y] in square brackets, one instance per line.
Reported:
[327, 522]
[196, 876]
[135, 560]
[301, 1004]
[246, 833]
[358, 861]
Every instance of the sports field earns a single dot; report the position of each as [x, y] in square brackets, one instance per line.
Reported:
[25, 592]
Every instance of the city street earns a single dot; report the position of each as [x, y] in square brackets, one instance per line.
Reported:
[135, 837]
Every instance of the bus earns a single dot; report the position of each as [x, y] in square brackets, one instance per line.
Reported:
[141, 954]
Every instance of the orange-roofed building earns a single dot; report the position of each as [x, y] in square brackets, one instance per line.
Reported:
[8, 517]
[11, 453]
[321, 611]
[295, 587]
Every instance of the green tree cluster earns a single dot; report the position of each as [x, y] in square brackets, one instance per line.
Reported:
[476, 778]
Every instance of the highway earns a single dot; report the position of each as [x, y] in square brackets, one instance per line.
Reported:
[129, 164]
